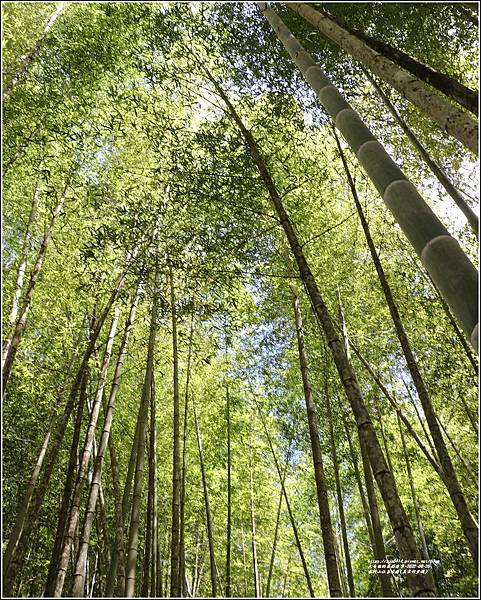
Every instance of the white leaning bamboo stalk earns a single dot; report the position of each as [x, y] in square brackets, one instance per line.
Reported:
[449, 118]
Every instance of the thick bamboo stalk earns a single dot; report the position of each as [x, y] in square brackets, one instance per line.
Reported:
[436, 170]
[442, 256]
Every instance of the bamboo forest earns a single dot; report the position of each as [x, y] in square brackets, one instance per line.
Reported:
[240, 299]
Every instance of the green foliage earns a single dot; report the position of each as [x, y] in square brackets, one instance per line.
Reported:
[118, 107]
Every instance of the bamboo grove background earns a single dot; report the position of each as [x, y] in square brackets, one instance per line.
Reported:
[239, 298]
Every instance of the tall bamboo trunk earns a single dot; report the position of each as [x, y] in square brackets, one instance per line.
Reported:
[19, 542]
[244, 562]
[12, 343]
[420, 584]
[383, 434]
[420, 420]
[449, 118]
[32, 53]
[442, 256]
[468, 524]
[417, 511]
[153, 486]
[357, 476]
[332, 567]
[101, 529]
[72, 521]
[208, 516]
[81, 560]
[379, 550]
[255, 568]
[182, 577]
[150, 552]
[117, 562]
[141, 430]
[146, 566]
[457, 451]
[24, 257]
[276, 534]
[65, 505]
[228, 591]
[431, 459]
[175, 584]
[436, 170]
[340, 502]
[289, 510]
